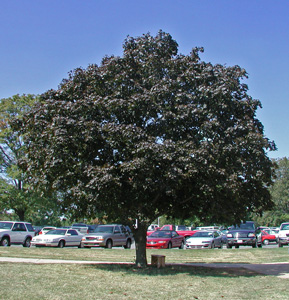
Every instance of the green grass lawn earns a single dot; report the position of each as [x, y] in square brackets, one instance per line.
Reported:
[113, 281]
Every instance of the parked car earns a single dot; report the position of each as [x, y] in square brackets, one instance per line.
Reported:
[244, 234]
[268, 237]
[59, 237]
[275, 231]
[108, 236]
[153, 227]
[185, 232]
[165, 239]
[81, 227]
[205, 239]
[17, 233]
[283, 238]
[45, 229]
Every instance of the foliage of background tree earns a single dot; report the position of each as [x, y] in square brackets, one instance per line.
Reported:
[15, 192]
[152, 133]
[280, 196]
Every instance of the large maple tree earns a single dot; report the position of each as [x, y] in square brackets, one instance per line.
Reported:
[149, 133]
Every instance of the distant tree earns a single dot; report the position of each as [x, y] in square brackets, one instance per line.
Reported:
[280, 188]
[151, 133]
[280, 196]
[15, 192]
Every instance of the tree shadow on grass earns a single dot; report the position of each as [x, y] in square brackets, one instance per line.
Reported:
[177, 269]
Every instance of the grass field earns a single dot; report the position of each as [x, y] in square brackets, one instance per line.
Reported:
[113, 281]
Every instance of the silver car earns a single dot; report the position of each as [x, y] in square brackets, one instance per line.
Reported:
[205, 239]
[17, 233]
[108, 236]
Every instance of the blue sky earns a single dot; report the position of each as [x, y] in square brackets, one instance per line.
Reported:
[41, 41]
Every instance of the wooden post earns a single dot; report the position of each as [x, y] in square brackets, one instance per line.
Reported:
[158, 260]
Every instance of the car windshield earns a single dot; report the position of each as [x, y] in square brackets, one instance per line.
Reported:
[57, 231]
[284, 226]
[108, 229]
[202, 234]
[6, 225]
[246, 226]
[162, 234]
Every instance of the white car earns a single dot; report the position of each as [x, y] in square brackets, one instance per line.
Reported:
[59, 237]
[205, 239]
[283, 238]
[46, 229]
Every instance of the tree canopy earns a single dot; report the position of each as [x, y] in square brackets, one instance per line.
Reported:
[149, 133]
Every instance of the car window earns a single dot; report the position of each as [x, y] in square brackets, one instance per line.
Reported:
[19, 227]
[72, 232]
[117, 229]
[22, 227]
[284, 227]
[100, 228]
[57, 232]
[161, 233]
[29, 227]
[203, 234]
[6, 225]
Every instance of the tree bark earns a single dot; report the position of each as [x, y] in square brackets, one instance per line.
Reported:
[20, 213]
[140, 234]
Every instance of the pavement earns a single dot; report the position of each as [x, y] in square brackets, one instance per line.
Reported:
[280, 270]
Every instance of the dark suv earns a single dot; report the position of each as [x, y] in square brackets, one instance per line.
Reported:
[244, 234]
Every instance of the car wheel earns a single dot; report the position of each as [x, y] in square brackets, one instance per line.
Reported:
[61, 244]
[266, 242]
[128, 244]
[229, 246]
[108, 244]
[280, 245]
[237, 246]
[27, 243]
[169, 245]
[5, 242]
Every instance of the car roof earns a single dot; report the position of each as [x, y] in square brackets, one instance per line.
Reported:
[14, 222]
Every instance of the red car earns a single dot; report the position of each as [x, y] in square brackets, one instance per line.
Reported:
[165, 239]
[267, 238]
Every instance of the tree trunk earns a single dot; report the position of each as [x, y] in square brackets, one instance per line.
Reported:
[140, 236]
[20, 213]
